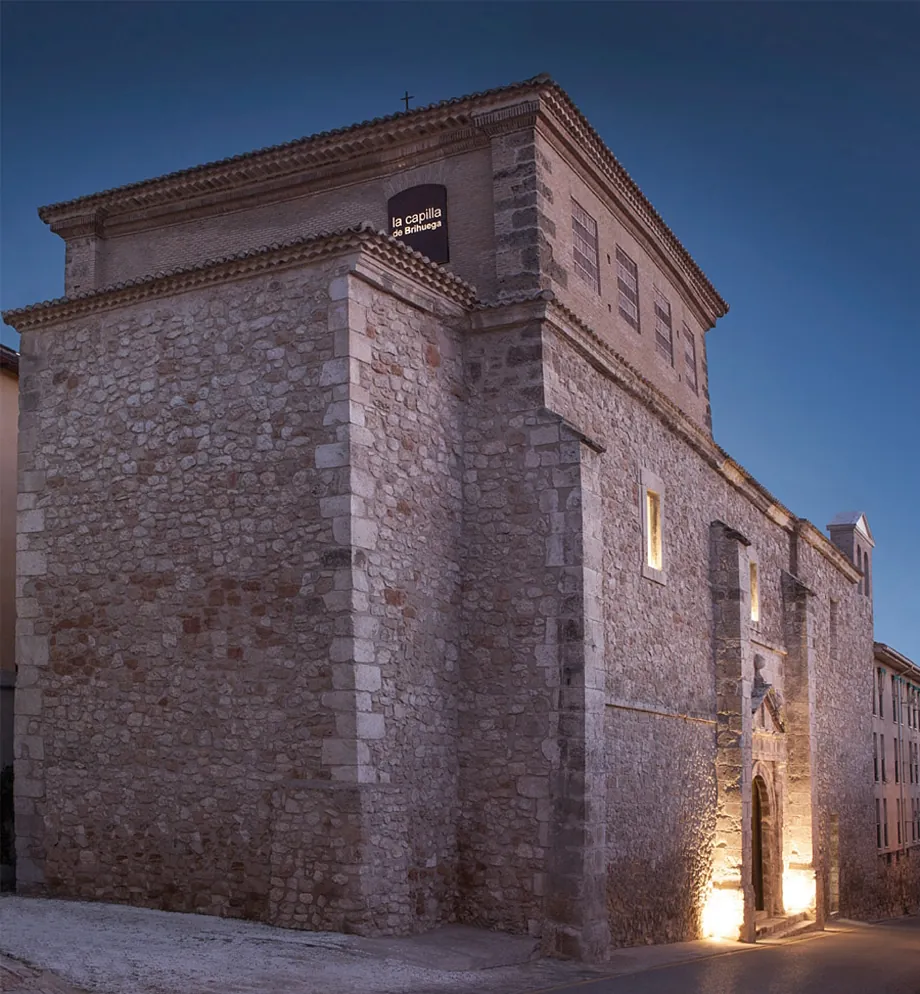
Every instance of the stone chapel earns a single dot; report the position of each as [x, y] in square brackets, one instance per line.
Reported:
[378, 568]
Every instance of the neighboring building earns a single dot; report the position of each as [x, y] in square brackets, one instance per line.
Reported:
[9, 417]
[367, 592]
[896, 771]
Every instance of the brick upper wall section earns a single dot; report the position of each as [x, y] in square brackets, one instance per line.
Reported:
[190, 242]
[599, 309]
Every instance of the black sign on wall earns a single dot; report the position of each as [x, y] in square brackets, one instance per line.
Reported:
[418, 217]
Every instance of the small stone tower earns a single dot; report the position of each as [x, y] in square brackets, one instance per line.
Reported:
[850, 533]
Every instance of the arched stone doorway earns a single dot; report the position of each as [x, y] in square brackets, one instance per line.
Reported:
[763, 849]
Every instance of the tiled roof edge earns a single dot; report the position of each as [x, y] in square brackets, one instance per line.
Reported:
[562, 104]
[363, 236]
[9, 359]
[893, 657]
[641, 202]
[412, 116]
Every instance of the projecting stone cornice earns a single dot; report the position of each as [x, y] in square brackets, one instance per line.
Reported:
[90, 222]
[390, 251]
[377, 146]
[541, 305]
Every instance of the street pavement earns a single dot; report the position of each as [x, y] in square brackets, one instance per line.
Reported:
[68, 947]
[20, 978]
[848, 958]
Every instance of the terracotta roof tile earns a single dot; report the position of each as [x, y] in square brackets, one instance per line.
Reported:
[324, 243]
[9, 359]
[559, 99]
[316, 138]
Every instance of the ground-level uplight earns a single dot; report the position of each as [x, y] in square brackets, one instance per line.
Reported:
[723, 912]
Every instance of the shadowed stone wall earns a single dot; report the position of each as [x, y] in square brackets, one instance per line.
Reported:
[407, 473]
[531, 827]
[172, 642]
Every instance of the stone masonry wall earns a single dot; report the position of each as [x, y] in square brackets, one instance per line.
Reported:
[531, 738]
[410, 478]
[660, 823]
[659, 655]
[509, 633]
[899, 891]
[843, 712]
[173, 644]
[524, 260]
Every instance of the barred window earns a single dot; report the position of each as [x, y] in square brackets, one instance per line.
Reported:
[584, 246]
[664, 336]
[690, 359]
[628, 288]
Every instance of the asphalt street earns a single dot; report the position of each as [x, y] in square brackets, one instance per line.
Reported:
[848, 959]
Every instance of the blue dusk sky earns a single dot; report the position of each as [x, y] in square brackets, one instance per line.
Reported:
[780, 141]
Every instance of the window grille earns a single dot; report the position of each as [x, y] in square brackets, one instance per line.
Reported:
[584, 246]
[664, 334]
[627, 288]
[690, 360]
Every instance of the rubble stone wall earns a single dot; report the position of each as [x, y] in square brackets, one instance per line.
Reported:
[173, 646]
[659, 658]
[409, 466]
[843, 714]
[520, 499]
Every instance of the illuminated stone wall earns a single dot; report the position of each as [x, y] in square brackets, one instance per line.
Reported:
[677, 666]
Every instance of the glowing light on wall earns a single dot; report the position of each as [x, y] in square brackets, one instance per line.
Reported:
[798, 890]
[723, 913]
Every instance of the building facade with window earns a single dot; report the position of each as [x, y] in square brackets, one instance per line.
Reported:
[362, 592]
[896, 772]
